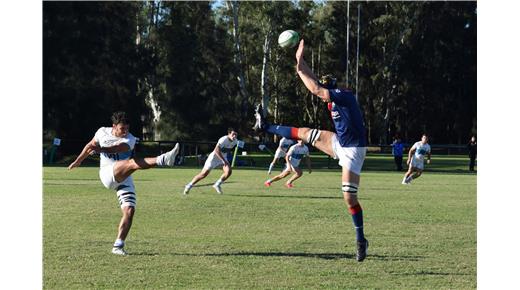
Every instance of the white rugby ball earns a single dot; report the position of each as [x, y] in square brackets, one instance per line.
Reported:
[288, 38]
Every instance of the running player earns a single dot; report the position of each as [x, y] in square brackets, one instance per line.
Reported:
[281, 151]
[115, 145]
[416, 159]
[217, 159]
[293, 159]
[348, 144]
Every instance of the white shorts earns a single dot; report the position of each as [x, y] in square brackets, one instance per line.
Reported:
[351, 158]
[125, 190]
[279, 153]
[417, 163]
[213, 162]
[294, 164]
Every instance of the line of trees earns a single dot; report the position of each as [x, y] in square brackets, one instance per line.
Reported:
[188, 70]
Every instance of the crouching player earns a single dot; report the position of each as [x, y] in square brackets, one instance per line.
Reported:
[293, 159]
[216, 159]
[416, 159]
[281, 152]
[115, 145]
[348, 144]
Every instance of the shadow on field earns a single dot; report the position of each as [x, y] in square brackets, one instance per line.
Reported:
[210, 184]
[287, 196]
[325, 256]
[429, 273]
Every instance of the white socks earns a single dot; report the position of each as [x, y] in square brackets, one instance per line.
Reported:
[160, 160]
[270, 168]
[119, 243]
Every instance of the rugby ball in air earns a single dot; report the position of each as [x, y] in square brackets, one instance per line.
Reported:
[288, 38]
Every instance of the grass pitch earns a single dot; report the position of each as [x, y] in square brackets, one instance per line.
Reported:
[421, 236]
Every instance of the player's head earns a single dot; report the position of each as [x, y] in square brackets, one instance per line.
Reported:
[424, 138]
[328, 81]
[120, 124]
[232, 134]
[300, 142]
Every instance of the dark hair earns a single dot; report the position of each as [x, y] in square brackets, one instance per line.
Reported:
[119, 118]
[230, 129]
[328, 82]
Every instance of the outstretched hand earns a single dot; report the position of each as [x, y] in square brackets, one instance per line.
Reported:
[299, 51]
[74, 165]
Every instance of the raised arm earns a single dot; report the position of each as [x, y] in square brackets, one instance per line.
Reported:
[309, 79]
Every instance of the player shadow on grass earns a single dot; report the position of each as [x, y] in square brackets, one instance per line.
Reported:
[287, 196]
[209, 184]
[325, 256]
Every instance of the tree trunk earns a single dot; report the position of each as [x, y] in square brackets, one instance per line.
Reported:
[265, 71]
[234, 6]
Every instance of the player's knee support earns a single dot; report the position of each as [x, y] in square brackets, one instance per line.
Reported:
[127, 199]
[312, 136]
[350, 188]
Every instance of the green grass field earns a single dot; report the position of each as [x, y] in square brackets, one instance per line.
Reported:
[421, 236]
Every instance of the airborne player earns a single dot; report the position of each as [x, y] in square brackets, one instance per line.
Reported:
[348, 144]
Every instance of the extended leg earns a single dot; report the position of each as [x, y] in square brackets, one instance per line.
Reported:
[277, 177]
[124, 168]
[196, 179]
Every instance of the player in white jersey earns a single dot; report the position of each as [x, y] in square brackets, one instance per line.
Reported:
[416, 159]
[293, 158]
[216, 159]
[115, 145]
[281, 151]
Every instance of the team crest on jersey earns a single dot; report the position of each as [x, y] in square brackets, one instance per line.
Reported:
[333, 113]
[109, 142]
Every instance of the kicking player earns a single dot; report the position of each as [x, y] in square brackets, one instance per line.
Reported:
[216, 159]
[348, 144]
[281, 151]
[415, 160]
[293, 158]
[115, 145]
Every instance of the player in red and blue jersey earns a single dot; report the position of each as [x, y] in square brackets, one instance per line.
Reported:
[348, 144]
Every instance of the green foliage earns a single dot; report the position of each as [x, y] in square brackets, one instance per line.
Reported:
[417, 66]
[89, 66]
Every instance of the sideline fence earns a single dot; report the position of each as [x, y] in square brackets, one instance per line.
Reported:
[194, 153]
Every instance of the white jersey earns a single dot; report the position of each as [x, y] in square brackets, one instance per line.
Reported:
[285, 144]
[105, 138]
[296, 153]
[421, 150]
[283, 147]
[225, 146]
